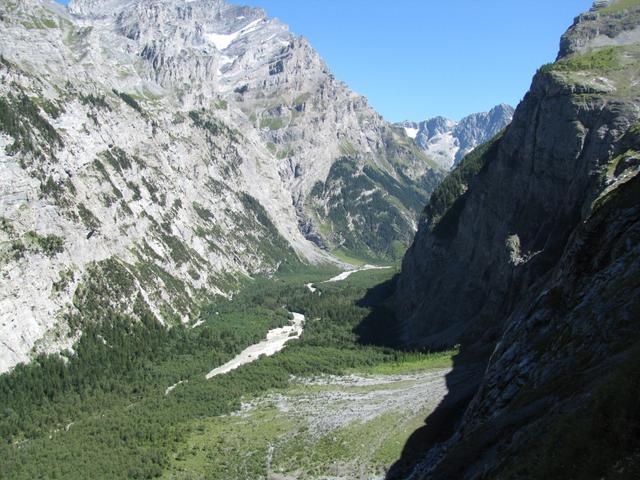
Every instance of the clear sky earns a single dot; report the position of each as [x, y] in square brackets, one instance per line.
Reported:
[415, 59]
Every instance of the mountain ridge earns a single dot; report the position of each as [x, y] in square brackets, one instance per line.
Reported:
[165, 150]
[448, 141]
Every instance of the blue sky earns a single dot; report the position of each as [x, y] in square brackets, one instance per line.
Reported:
[415, 59]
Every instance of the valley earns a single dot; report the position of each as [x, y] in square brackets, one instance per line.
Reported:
[275, 341]
[320, 393]
[344, 427]
[217, 261]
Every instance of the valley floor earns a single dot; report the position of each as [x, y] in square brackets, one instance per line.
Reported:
[133, 401]
[276, 340]
[340, 427]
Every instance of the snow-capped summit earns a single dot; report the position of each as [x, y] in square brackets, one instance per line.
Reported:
[447, 141]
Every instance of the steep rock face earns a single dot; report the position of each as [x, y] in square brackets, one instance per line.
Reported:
[284, 91]
[558, 399]
[447, 142]
[153, 153]
[531, 246]
[511, 225]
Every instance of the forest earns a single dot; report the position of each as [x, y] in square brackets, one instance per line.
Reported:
[102, 411]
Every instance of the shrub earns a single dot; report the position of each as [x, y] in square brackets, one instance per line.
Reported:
[129, 100]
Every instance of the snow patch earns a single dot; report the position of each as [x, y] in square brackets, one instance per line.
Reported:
[222, 40]
[197, 324]
[225, 60]
[347, 274]
[411, 132]
[173, 387]
[443, 149]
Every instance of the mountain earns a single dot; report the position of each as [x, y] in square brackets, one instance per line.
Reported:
[447, 141]
[528, 257]
[156, 152]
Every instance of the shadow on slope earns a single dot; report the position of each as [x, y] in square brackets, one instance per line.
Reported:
[381, 329]
[462, 383]
[575, 415]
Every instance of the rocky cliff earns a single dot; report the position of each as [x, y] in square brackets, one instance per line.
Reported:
[447, 141]
[155, 152]
[530, 250]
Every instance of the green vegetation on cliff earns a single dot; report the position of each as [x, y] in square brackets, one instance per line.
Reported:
[20, 118]
[368, 212]
[605, 59]
[620, 5]
[129, 100]
[458, 181]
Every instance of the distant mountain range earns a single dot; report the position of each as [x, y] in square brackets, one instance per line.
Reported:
[447, 141]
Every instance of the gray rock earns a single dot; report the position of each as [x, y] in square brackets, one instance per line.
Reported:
[537, 259]
[447, 142]
[595, 29]
[176, 143]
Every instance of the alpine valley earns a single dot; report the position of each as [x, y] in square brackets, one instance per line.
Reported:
[219, 262]
[174, 148]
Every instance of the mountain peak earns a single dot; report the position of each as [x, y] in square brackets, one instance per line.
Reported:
[91, 8]
[199, 122]
[447, 141]
[612, 23]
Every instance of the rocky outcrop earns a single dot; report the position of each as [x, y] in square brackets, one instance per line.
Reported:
[279, 88]
[510, 223]
[154, 153]
[530, 250]
[595, 28]
[447, 141]
[545, 406]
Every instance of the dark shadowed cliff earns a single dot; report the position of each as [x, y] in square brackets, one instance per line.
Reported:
[530, 250]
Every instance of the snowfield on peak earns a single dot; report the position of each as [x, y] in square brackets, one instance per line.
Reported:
[222, 41]
[411, 132]
[446, 141]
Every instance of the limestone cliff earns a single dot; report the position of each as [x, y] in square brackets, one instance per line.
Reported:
[155, 152]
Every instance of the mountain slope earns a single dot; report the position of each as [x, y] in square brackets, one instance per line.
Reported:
[154, 153]
[447, 142]
[530, 250]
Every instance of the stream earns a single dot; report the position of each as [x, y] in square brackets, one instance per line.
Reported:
[276, 338]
